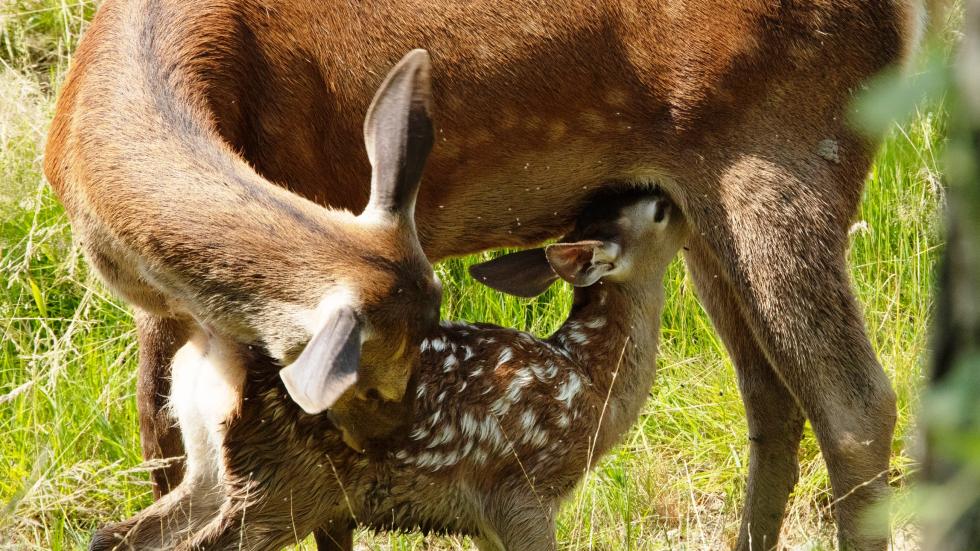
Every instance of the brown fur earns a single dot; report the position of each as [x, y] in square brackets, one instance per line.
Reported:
[729, 105]
[185, 230]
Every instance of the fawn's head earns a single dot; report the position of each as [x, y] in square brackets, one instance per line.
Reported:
[386, 296]
[620, 236]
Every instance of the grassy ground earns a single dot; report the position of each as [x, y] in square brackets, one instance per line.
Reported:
[69, 451]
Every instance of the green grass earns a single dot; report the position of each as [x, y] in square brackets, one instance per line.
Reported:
[69, 448]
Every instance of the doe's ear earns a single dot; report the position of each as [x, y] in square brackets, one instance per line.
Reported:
[328, 365]
[582, 263]
[398, 135]
[524, 273]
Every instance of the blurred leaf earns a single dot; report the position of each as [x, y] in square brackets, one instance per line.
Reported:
[893, 96]
[952, 410]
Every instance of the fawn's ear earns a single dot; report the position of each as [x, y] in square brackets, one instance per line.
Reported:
[524, 273]
[398, 136]
[584, 262]
[327, 367]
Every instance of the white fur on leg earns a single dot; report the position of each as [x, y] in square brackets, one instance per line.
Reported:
[207, 383]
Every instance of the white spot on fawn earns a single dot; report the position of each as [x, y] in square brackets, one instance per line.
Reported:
[468, 425]
[490, 433]
[528, 420]
[557, 130]
[564, 421]
[450, 363]
[479, 457]
[568, 389]
[536, 437]
[505, 356]
[445, 435]
[451, 458]
[500, 407]
[552, 370]
[420, 433]
[521, 379]
[435, 344]
[597, 323]
[427, 460]
[544, 374]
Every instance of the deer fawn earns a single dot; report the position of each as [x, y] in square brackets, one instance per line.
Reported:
[502, 428]
[737, 108]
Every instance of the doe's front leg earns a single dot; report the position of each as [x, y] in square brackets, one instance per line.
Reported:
[159, 339]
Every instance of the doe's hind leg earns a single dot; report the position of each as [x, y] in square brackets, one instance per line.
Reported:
[780, 240]
[774, 418]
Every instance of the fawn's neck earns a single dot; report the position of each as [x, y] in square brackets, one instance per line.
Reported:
[611, 333]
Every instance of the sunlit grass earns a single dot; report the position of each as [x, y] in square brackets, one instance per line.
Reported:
[69, 448]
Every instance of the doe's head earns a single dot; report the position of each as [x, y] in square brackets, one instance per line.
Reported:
[387, 296]
[620, 236]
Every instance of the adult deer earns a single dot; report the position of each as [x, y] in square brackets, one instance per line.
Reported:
[738, 109]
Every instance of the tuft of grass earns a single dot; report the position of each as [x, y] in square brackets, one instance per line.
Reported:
[39, 35]
[69, 447]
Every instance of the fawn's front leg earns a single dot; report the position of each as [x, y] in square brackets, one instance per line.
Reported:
[337, 536]
[518, 523]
